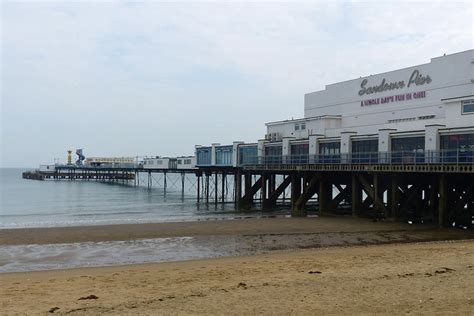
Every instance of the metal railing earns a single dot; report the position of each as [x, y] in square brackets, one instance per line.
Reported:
[418, 157]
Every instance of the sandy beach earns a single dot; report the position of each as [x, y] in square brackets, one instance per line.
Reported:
[274, 266]
[420, 278]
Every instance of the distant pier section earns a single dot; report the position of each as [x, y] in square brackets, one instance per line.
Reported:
[73, 173]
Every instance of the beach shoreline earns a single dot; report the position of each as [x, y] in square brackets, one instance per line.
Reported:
[250, 226]
[425, 278]
[23, 250]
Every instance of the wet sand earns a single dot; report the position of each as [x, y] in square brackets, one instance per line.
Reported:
[421, 278]
[252, 226]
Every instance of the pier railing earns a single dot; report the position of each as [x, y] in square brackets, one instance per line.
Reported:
[419, 157]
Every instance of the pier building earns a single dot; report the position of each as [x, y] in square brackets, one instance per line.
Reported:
[416, 112]
[398, 144]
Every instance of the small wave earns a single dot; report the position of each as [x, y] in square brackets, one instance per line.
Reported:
[110, 214]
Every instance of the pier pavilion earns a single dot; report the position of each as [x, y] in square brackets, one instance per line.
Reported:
[391, 144]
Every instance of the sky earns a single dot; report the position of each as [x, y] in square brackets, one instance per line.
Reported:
[130, 78]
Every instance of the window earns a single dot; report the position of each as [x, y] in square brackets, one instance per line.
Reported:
[248, 155]
[299, 153]
[203, 156]
[299, 149]
[457, 142]
[297, 127]
[468, 107]
[329, 148]
[408, 150]
[408, 144]
[365, 151]
[273, 154]
[224, 155]
[365, 146]
[179, 161]
[457, 148]
[303, 126]
[330, 152]
[159, 162]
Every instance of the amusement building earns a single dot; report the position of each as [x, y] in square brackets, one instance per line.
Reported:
[418, 114]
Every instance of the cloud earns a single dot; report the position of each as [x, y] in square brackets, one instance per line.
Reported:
[127, 78]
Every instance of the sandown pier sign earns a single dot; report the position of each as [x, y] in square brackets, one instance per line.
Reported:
[416, 79]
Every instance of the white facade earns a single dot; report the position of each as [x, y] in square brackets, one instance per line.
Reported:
[159, 163]
[186, 162]
[424, 99]
[182, 162]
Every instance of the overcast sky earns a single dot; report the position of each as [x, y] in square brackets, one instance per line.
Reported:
[156, 78]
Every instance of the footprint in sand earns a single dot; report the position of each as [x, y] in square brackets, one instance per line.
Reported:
[89, 297]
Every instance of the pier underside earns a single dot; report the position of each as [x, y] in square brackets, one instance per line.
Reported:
[439, 197]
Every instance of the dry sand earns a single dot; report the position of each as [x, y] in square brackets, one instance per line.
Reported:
[421, 278]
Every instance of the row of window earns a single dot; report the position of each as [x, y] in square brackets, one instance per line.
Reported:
[414, 144]
[152, 162]
[299, 126]
[223, 156]
[184, 162]
[160, 162]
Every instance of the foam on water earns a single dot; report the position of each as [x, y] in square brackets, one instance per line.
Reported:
[88, 254]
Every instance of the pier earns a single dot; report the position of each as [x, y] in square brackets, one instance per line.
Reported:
[440, 192]
[435, 193]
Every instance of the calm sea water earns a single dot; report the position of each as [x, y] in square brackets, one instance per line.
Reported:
[32, 203]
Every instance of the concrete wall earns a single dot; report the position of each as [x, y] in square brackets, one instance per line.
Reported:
[450, 76]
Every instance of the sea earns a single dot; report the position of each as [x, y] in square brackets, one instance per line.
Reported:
[32, 203]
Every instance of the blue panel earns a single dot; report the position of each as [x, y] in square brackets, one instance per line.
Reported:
[224, 156]
[248, 155]
[203, 156]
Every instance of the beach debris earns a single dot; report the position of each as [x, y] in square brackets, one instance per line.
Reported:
[53, 309]
[444, 270]
[89, 297]
[314, 272]
[243, 285]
